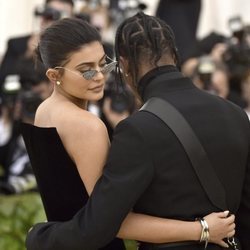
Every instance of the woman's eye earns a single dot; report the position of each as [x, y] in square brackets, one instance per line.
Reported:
[84, 70]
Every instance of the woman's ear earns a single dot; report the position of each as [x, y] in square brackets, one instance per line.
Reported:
[53, 75]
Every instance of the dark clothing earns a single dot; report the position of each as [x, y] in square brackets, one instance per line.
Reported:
[182, 16]
[8, 152]
[61, 188]
[180, 246]
[15, 51]
[148, 170]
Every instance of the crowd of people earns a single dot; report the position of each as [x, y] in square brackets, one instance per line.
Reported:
[24, 85]
[36, 71]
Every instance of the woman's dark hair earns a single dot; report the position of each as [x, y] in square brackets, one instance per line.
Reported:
[63, 38]
[144, 37]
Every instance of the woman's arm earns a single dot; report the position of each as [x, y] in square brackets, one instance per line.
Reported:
[158, 230]
[88, 147]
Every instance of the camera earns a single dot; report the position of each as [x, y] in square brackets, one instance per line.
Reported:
[121, 102]
[205, 69]
[122, 98]
[49, 13]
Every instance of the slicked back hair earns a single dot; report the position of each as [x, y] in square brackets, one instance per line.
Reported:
[63, 38]
[144, 37]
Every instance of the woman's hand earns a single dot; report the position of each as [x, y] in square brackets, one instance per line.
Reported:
[220, 226]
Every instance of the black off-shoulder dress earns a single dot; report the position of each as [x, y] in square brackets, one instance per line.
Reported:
[62, 191]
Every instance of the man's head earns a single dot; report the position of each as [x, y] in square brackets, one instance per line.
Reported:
[142, 43]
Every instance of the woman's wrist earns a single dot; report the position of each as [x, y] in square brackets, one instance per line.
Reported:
[197, 230]
[204, 236]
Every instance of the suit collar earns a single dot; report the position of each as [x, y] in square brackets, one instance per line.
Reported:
[162, 79]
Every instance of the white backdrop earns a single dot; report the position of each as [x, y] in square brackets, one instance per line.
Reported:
[215, 13]
[16, 16]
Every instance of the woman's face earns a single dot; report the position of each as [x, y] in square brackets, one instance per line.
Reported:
[73, 84]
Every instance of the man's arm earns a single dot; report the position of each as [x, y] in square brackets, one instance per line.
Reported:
[128, 172]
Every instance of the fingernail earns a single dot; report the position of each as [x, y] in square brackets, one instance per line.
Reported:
[226, 212]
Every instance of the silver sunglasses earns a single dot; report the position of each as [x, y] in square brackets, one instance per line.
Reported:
[89, 74]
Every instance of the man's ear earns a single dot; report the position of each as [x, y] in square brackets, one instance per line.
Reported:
[53, 75]
[124, 65]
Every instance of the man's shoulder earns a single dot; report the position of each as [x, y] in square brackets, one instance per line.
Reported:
[235, 108]
[140, 120]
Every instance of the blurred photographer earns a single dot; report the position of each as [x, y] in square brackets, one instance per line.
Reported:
[54, 10]
[203, 74]
[245, 85]
[118, 103]
[34, 78]
[7, 117]
[18, 176]
[214, 77]
[237, 55]
[121, 9]
[23, 47]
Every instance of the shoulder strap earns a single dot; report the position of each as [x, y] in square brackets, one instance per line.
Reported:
[195, 151]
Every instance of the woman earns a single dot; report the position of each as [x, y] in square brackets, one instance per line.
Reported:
[68, 145]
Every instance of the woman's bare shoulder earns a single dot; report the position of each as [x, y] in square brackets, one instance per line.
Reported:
[72, 121]
[80, 130]
[43, 116]
[65, 116]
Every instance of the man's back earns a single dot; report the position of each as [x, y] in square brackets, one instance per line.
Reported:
[223, 130]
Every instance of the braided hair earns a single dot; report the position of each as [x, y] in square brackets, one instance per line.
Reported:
[144, 37]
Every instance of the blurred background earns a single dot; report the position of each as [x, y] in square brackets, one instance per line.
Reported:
[16, 16]
[213, 40]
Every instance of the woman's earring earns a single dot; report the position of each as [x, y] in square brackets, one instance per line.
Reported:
[126, 74]
[58, 83]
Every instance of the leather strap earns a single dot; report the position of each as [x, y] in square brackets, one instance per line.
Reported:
[195, 151]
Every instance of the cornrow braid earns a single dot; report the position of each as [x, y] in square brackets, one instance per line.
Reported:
[142, 35]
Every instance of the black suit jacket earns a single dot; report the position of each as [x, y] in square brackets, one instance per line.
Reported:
[147, 169]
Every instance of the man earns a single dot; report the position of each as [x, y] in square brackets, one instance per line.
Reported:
[147, 169]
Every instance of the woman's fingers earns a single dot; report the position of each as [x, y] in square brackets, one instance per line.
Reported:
[223, 244]
[230, 219]
[231, 234]
[231, 226]
[221, 226]
[224, 214]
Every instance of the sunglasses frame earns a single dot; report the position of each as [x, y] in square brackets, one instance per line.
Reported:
[89, 74]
